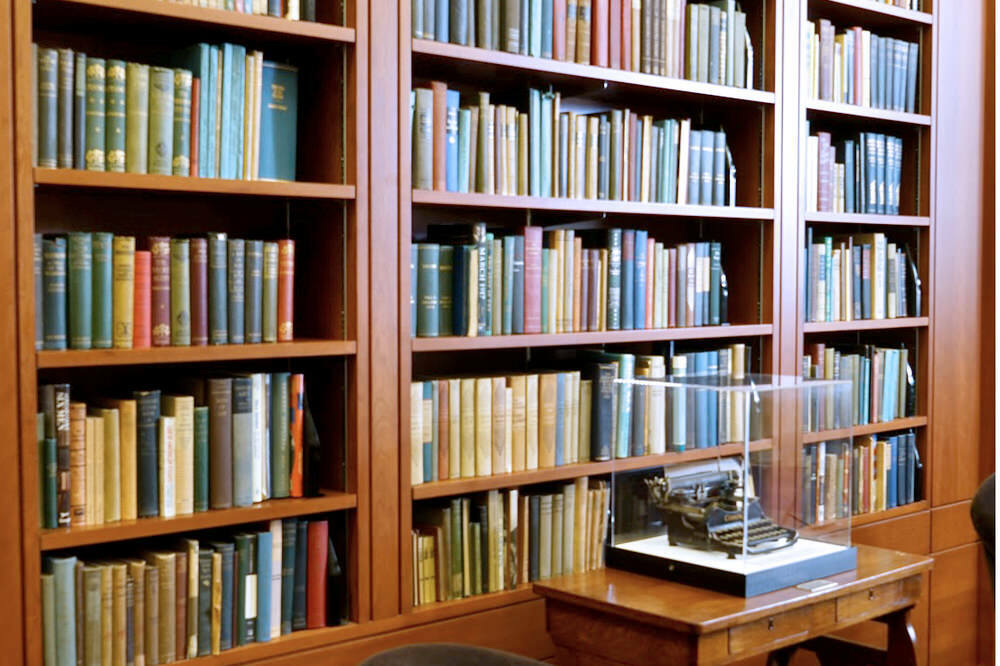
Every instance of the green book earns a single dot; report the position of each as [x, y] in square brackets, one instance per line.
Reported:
[161, 120]
[94, 155]
[48, 107]
[181, 165]
[253, 296]
[507, 286]
[236, 289]
[114, 135]
[137, 118]
[218, 307]
[269, 296]
[54, 292]
[289, 530]
[180, 292]
[477, 558]
[245, 611]
[457, 590]
[64, 101]
[81, 269]
[446, 301]
[80, 112]
[201, 458]
[280, 448]
[101, 290]
[428, 291]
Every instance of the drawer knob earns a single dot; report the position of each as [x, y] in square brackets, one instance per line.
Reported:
[871, 595]
[770, 624]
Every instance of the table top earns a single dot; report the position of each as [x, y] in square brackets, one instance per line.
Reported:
[696, 610]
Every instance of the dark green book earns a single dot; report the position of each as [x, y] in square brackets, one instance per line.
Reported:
[428, 291]
[181, 164]
[218, 308]
[81, 269]
[161, 120]
[101, 290]
[299, 586]
[64, 101]
[245, 613]
[48, 107]
[94, 155]
[39, 292]
[236, 289]
[147, 409]
[455, 545]
[114, 139]
[227, 550]
[180, 292]
[80, 112]
[289, 531]
[204, 601]
[715, 284]
[253, 295]
[446, 303]
[614, 279]
[137, 118]
[269, 295]
[201, 458]
[280, 449]
[54, 292]
[475, 559]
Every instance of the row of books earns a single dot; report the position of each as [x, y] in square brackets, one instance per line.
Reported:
[513, 285]
[860, 276]
[481, 426]
[222, 442]
[883, 386]
[214, 112]
[293, 10]
[477, 545]
[875, 474]
[614, 154]
[860, 67]
[96, 291]
[913, 5]
[700, 42]
[857, 175]
[192, 599]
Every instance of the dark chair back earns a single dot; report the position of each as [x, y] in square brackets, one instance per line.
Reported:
[446, 654]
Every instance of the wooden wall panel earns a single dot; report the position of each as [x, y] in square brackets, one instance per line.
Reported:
[953, 602]
[952, 526]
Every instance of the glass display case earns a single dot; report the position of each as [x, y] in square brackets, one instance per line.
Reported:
[754, 486]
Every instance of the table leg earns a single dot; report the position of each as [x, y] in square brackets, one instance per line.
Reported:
[781, 657]
[902, 648]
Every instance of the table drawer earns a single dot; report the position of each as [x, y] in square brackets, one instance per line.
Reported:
[779, 627]
[870, 602]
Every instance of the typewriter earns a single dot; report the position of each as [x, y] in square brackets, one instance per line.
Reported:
[704, 510]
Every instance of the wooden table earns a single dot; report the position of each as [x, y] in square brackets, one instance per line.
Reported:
[611, 617]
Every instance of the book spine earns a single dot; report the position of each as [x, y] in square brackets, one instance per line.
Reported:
[236, 288]
[48, 107]
[54, 289]
[316, 576]
[78, 468]
[114, 146]
[180, 163]
[198, 298]
[161, 120]
[80, 274]
[286, 293]
[61, 410]
[279, 426]
[142, 301]
[39, 290]
[220, 398]
[94, 156]
[79, 111]
[301, 570]
[218, 302]
[102, 316]
[180, 292]
[136, 118]
[64, 102]
[254, 291]
[147, 418]
[428, 290]
[296, 399]
[265, 548]
[159, 248]
[269, 307]
[201, 458]
[123, 288]
[242, 452]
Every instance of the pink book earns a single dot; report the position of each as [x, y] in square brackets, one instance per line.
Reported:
[532, 279]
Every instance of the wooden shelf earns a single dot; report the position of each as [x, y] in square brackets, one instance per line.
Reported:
[516, 479]
[867, 429]
[867, 10]
[480, 602]
[864, 325]
[877, 516]
[158, 13]
[72, 537]
[188, 185]
[479, 200]
[479, 63]
[459, 343]
[860, 218]
[154, 355]
[866, 113]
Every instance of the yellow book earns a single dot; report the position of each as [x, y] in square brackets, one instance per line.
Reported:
[107, 614]
[190, 549]
[556, 247]
[544, 537]
[571, 154]
[122, 290]
[508, 429]
[119, 610]
[494, 560]
[181, 407]
[95, 424]
[547, 419]
[593, 130]
[126, 456]
[522, 153]
[566, 279]
[454, 429]
[216, 631]
[416, 433]
[466, 549]
[580, 525]
[165, 564]
[518, 417]
[498, 416]
[531, 422]
[510, 503]
[569, 419]
[111, 487]
[137, 571]
[737, 372]
[484, 426]
[468, 427]
[586, 398]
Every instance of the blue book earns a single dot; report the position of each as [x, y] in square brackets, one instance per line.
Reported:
[522, 41]
[902, 471]
[507, 316]
[63, 571]
[545, 159]
[827, 266]
[441, 21]
[209, 151]
[628, 279]
[890, 384]
[712, 421]
[672, 141]
[432, 469]
[278, 121]
[464, 119]
[694, 169]
[518, 325]
[546, 45]
[639, 311]
[560, 417]
[847, 157]
[545, 290]
[264, 544]
[534, 142]
[707, 166]
[535, 28]
[428, 446]
[866, 382]
[701, 400]
[238, 80]
[451, 129]
[227, 165]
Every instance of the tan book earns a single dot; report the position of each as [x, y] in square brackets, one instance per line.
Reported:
[493, 573]
[499, 117]
[167, 456]
[578, 323]
[427, 428]
[484, 426]
[603, 530]
[556, 249]
[545, 537]
[95, 470]
[473, 296]
[107, 614]
[416, 433]
[557, 535]
[119, 619]
[518, 415]
[570, 149]
[166, 628]
[123, 290]
[522, 154]
[574, 422]
[636, 40]
[571, 30]
[586, 404]
[547, 420]
[216, 632]
[191, 551]
[126, 456]
[484, 149]
[593, 133]
[137, 572]
[583, 22]
[531, 423]
[592, 497]
[78, 463]
[491, 149]
[468, 427]
[181, 407]
[109, 486]
[554, 290]
[510, 505]
[454, 429]
[508, 429]
[466, 549]
[151, 618]
[566, 279]
[498, 415]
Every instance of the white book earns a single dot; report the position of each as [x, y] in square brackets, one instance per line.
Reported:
[683, 157]
[416, 433]
[658, 399]
[836, 306]
[266, 453]
[167, 434]
[276, 578]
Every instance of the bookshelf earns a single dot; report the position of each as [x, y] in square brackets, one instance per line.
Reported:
[326, 212]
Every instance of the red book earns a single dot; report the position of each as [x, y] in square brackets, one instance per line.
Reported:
[558, 30]
[625, 24]
[296, 395]
[159, 248]
[443, 432]
[599, 33]
[195, 109]
[615, 33]
[532, 279]
[317, 549]
[141, 329]
[440, 117]
[650, 267]
[199, 291]
[286, 288]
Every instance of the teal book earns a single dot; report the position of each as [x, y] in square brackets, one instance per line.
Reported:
[101, 322]
[289, 530]
[253, 297]
[244, 609]
[545, 290]
[204, 603]
[80, 112]
[114, 126]
[201, 459]
[218, 294]
[181, 160]
[715, 283]
[54, 292]
[209, 152]
[278, 121]
[180, 292]
[265, 542]
[238, 81]
[623, 420]
[225, 149]
[518, 285]
[428, 290]
[94, 155]
[236, 290]
[47, 467]
[81, 290]
[269, 294]
[278, 424]
[545, 132]
[161, 120]
[508, 285]
[446, 301]
[64, 100]
[464, 132]
[48, 107]
[614, 309]
[63, 571]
